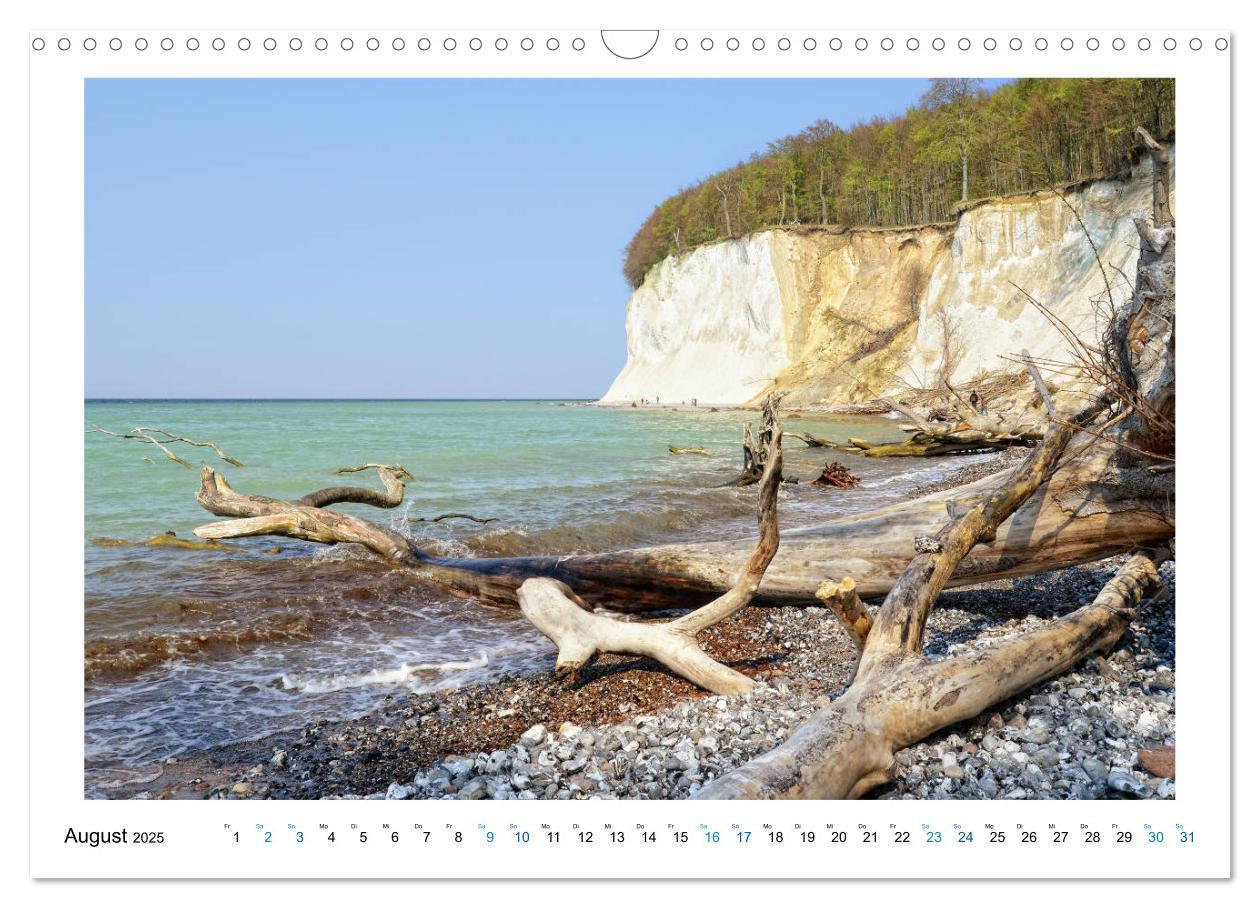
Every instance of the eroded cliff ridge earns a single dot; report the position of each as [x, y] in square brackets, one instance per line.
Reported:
[831, 316]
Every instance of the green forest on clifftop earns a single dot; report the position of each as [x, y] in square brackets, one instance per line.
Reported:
[958, 144]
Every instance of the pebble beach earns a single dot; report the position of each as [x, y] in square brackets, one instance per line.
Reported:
[626, 728]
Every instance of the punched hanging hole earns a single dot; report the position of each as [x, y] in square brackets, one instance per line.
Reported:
[630, 44]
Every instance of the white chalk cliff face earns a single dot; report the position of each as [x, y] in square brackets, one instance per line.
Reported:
[708, 325]
[830, 317]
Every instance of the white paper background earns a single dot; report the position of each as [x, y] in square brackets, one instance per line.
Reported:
[200, 847]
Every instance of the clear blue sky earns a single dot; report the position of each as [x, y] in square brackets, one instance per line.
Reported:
[396, 238]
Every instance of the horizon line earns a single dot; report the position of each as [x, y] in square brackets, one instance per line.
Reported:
[114, 400]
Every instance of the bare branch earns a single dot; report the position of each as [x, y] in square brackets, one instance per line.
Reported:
[140, 436]
[146, 434]
[1039, 383]
[172, 437]
[453, 516]
[393, 478]
[580, 634]
[899, 625]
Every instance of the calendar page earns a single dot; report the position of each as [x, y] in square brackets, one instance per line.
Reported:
[712, 451]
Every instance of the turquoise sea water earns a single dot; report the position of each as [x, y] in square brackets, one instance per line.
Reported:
[191, 648]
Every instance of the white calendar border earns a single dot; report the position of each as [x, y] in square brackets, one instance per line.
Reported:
[197, 847]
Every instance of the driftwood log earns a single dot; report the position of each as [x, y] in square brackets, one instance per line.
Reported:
[979, 430]
[812, 441]
[898, 697]
[1091, 508]
[580, 634]
[757, 446]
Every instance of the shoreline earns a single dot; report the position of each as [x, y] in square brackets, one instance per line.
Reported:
[871, 408]
[627, 728]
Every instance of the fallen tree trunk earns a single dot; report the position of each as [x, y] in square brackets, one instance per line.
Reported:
[898, 697]
[812, 441]
[958, 439]
[1090, 509]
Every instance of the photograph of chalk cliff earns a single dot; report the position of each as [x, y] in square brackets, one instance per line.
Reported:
[868, 490]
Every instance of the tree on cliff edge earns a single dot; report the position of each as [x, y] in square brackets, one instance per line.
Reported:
[957, 98]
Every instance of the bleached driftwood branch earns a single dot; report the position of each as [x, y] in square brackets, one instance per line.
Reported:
[148, 435]
[580, 634]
